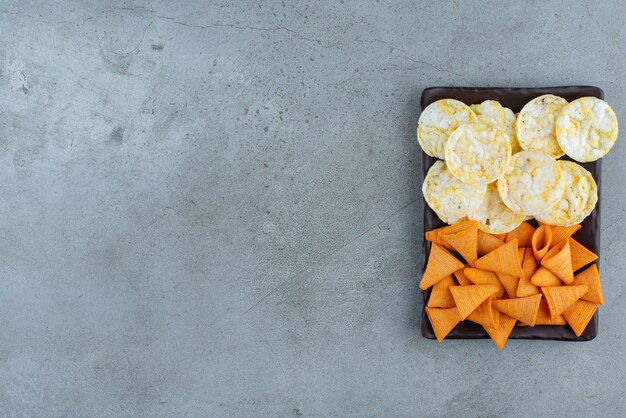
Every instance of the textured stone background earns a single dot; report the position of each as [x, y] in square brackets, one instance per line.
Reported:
[213, 208]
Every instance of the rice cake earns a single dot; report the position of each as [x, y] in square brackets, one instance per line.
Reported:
[532, 184]
[586, 129]
[478, 152]
[503, 117]
[493, 215]
[451, 199]
[535, 125]
[438, 121]
[578, 200]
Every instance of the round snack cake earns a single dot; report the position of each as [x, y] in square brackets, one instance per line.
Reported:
[586, 129]
[503, 117]
[493, 215]
[535, 125]
[532, 184]
[438, 121]
[451, 199]
[478, 152]
[578, 200]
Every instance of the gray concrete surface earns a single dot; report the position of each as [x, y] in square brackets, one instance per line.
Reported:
[212, 208]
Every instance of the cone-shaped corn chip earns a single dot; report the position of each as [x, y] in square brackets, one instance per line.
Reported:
[443, 320]
[560, 298]
[579, 314]
[581, 256]
[522, 309]
[542, 238]
[523, 233]
[440, 296]
[467, 298]
[559, 261]
[440, 264]
[591, 278]
[503, 259]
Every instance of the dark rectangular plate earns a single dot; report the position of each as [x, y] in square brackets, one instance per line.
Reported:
[588, 235]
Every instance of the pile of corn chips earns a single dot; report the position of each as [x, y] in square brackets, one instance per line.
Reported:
[531, 276]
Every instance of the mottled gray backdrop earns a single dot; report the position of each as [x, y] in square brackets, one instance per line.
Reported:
[213, 208]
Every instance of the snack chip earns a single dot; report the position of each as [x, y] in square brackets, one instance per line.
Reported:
[509, 282]
[560, 298]
[536, 125]
[449, 197]
[501, 334]
[443, 320]
[522, 309]
[586, 129]
[487, 243]
[544, 318]
[464, 242]
[559, 261]
[542, 238]
[544, 277]
[435, 235]
[478, 276]
[440, 296]
[591, 278]
[579, 314]
[524, 234]
[461, 278]
[581, 256]
[485, 315]
[467, 298]
[559, 233]
[478, 152]
[503, 259]
[529, 267]
[440, 264]
[438, 121]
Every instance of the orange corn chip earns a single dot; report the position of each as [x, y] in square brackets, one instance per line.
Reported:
[529, 264]
[581, 256]
[487, 243]
[544, 318]
[522, 309]
[435, 235]
[544, 277]
[542, 238]
[579, 314]
[501, 334]
[501, 237]
[503, 259]
[559, 261]
[559, 233]
[523, 233]
[440, 264]
[526, 288]
[560, 298]
[443, 320]
[509, 282]
[461, 278]
[485, 315]
[591, 278]
[440, 296]
[467, 298]
[478, 276]
[464, 242]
